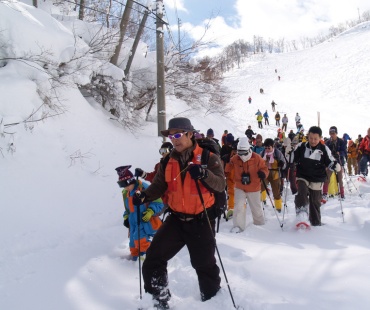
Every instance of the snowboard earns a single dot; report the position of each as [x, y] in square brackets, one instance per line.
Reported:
[302, 219]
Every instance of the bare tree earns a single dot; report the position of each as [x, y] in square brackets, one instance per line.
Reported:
[123, 24]
[280, 45]
[81, 11]
[270, 45]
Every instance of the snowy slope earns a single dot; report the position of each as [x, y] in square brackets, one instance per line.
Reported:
[62, 239]
[331, 78]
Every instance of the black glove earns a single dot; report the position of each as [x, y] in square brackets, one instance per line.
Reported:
[281, 163]
[197, 172]
[261, 174]
[140, 173]
[226, 158]
[138, 198]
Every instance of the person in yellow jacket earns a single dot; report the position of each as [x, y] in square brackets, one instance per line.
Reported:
[187, 224]
[352, 157]
[248, 168]
[274, 161]
[259, 120]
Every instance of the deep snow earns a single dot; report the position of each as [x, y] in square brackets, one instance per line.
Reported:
[62, 240]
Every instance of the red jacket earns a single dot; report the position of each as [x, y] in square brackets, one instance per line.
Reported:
[365, 145]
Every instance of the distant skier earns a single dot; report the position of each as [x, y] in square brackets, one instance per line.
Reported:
[285, 122]
[250, 100]
[273, 104]
[277, 119]
[259, 120]
[249, 132]
[266, 117]
[261, 90]
[297, 119]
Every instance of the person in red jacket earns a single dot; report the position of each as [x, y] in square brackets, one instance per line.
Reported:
[364, 149]
[249, 168]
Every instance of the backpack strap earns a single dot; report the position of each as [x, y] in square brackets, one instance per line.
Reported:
[204, 158]
[165, 161]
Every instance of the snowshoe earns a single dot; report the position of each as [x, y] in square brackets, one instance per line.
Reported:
[302, 219]
[324, 199]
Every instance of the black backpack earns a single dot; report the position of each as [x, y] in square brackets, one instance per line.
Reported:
[220, 205]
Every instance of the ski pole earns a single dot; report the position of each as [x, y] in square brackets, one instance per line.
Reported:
[340, 201]
[138, 241]
[214, 239]
[268, 194]
[347, 176]
[286, 192]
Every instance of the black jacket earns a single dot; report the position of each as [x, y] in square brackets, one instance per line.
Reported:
[249, 133]
[312, 162]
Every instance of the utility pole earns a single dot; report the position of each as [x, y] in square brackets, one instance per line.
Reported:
[161, 100]
[136, 43]
[179, 39]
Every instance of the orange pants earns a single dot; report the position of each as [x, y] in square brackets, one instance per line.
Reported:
[144, 245]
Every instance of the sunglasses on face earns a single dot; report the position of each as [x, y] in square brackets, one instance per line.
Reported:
[164, 151]
[177, 135]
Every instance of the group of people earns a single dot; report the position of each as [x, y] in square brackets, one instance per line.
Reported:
[284, 120]
[185, 186]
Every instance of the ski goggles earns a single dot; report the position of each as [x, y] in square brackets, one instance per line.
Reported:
[177, 135]
[243, 153]
[164, 150]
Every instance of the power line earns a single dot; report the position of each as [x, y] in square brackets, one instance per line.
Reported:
[169, 30]
[111, 15]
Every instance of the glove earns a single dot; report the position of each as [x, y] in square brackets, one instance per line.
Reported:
[226, 158]
[261, 174]
[125, 221]
[281, 163]
[229, 214]
[138, 198]
[197, 172]
[140, 173]
[147, 215]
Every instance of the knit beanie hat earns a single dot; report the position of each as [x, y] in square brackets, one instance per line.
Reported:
[333, 129]
[230, 138]
[243, 144]
[210, 132]
[125, 176]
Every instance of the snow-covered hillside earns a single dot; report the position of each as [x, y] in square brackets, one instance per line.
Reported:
[62, 240]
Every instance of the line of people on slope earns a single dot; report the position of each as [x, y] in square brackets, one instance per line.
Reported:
[265, 116]
[188, 188]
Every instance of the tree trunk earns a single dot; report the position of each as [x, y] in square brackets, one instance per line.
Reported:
[81, 12]
[34, 3]
[122, 30]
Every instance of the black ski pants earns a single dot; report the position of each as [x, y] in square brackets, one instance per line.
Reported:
[171, 237]
[307, 196]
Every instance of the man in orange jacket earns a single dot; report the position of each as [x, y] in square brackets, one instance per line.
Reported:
[249, 168]
[186, 225]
